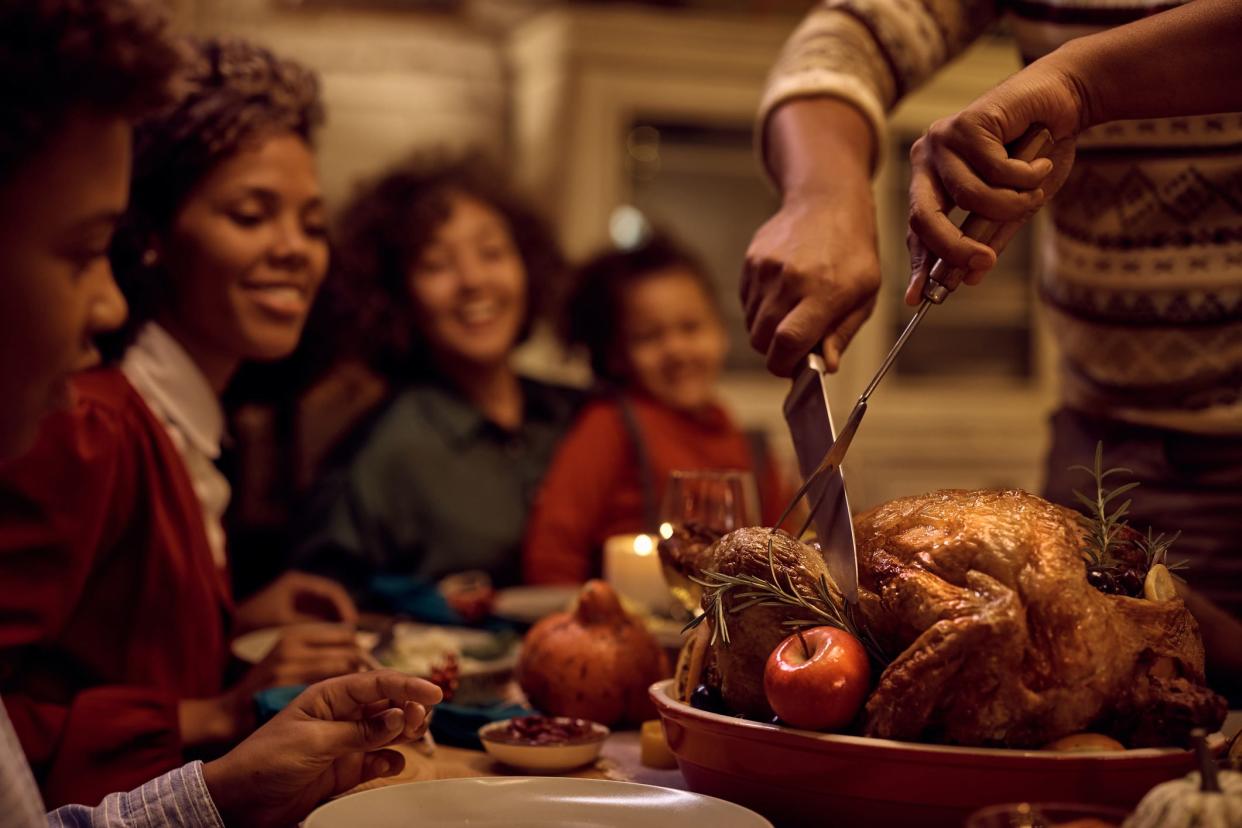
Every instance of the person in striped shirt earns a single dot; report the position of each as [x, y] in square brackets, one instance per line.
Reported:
[73, 76]
[1142, 277]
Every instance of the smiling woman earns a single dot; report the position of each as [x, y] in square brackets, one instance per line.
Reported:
[444, 271]
[112, 648]
[249, 253]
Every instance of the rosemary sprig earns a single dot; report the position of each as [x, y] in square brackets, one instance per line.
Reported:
[821, 607]
[1105, 526]
[1156, 550]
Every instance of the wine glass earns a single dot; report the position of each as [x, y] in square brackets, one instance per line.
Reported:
[699, 503]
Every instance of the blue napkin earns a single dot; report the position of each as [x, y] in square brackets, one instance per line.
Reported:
[269, 702]
[458, 725]
[420, 600]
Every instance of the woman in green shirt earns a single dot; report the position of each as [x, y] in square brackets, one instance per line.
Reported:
[443, 271]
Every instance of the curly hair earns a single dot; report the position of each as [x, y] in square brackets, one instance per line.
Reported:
[386, 227]
[591, 316]
[235, 93]
[57, 56]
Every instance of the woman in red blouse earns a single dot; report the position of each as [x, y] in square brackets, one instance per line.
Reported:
[649, 320]
[115, 609]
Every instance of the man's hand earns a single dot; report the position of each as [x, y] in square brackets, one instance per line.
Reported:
[962, 161]
[812, 271]
[811, 278]
[295, 598]
[328, 740]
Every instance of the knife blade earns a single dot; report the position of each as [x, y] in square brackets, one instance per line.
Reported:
[807, 411]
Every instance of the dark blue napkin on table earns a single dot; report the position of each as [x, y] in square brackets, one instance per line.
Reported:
[422, 601]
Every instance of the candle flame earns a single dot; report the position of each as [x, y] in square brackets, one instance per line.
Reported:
[643, 545]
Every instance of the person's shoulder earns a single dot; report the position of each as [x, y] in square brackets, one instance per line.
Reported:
[105, 400]
[105, 410]
[104, 389]
[89, 440]
[602, 408]
[600, 421]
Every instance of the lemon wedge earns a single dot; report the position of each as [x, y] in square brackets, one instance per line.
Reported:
[1158, 585]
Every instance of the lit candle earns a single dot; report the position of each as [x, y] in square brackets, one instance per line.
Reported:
[632, 567]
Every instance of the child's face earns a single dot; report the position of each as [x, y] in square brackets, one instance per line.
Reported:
[57, 214]
[468, 288]
[672, 342]
[247, 253]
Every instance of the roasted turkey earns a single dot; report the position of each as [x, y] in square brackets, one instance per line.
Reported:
[981, 601]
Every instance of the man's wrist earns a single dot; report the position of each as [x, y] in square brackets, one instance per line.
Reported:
[1072, 66]
[224, 786]
[848, 194]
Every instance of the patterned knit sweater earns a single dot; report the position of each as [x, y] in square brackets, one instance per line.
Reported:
[1143, 276]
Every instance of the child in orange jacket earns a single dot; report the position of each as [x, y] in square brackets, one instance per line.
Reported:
[649, 320]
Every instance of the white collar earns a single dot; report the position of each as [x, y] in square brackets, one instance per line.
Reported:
[172, 384]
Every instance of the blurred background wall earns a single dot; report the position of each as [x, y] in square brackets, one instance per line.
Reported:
[602, 109]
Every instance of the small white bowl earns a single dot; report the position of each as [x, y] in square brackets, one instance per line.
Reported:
[547, 758]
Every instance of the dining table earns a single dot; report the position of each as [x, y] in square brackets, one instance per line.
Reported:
[618, 761]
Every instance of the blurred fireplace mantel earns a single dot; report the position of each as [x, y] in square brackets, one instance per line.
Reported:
[582, 75]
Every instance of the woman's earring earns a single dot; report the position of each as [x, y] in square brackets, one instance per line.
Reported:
[150, 257]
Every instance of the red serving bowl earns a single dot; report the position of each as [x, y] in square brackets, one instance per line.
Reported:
[802, 778]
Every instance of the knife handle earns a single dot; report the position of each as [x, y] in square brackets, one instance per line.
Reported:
[939, 284]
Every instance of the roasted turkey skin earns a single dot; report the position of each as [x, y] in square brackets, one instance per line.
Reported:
[1000, 640]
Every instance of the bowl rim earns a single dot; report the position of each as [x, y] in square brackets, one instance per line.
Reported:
[598, 735]
[666, 705]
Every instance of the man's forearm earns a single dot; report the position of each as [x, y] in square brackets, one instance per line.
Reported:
[1186, 61]
[817, 145]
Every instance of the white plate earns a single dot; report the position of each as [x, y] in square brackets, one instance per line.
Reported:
[527, 604]
[253, 647]
[464, 639]
[530, 802]
[481, 681]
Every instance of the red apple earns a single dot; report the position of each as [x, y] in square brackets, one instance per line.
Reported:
[817, 679]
